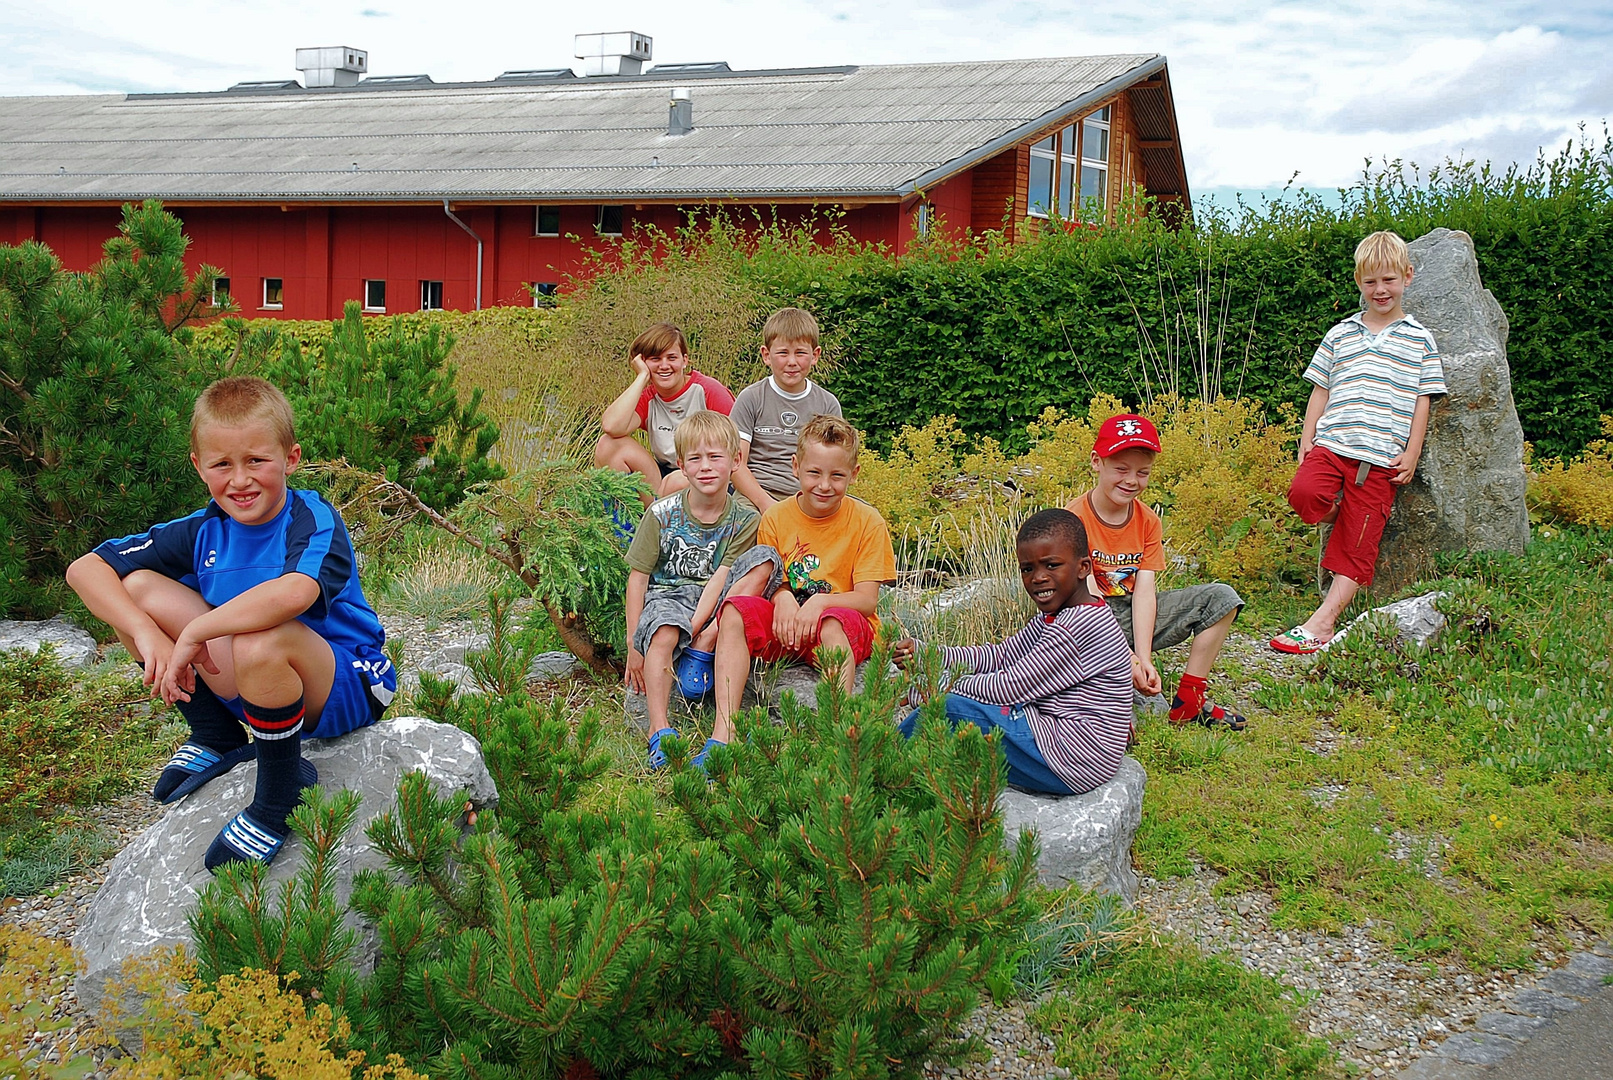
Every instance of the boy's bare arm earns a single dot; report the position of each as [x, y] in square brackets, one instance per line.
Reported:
[621, 416]
[745, 481]
[102, 591]
[707, 607]
[638, 583]
[261, 607]
[1144, 611]
[1314, 409]
[1405, 465]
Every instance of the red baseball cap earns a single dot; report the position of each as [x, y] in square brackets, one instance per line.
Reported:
[1126, 432]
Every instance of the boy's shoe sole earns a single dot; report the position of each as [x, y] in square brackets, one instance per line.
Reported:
[1297, 642]
[1206, 717]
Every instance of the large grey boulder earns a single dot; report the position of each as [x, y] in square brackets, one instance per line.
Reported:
[1468, 492]
[1086, 839]
[74, 647]
[152, 886]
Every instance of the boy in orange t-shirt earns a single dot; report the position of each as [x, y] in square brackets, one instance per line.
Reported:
[833, 554]
[1128, 553]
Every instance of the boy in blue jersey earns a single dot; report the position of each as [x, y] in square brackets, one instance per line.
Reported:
[247, 611]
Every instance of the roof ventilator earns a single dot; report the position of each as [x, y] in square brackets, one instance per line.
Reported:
[332, 65]
[620, 53]
[680, 116]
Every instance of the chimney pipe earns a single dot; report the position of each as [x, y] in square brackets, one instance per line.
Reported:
[680, 116]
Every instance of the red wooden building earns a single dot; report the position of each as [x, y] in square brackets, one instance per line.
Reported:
[404, 193]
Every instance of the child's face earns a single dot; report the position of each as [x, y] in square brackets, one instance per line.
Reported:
[1383, 288]
[1123, 476]
[668, 372]
[790, 362]
[824, 473]
[245, 469]
[708, 467]
[1053, 572]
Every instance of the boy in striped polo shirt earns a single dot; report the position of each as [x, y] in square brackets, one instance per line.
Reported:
[1374, 377]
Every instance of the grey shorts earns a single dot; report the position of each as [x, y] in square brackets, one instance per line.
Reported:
[1181, 612]
[674, 605]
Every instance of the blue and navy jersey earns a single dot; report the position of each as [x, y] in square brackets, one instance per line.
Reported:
[221, 559]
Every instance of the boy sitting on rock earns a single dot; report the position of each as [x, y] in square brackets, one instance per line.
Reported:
[248, 610]
[1060, 689]
[680, 558]
[820, 558]
[1128, 553]
[1375, 375]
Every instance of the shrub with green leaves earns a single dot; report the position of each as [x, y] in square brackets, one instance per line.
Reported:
[828, 902]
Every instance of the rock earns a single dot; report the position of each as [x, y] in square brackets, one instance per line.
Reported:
[448, 662]
[1085, 839]
[1468, 492]
[1150, 704]
[74, 647]
[152, 885]
[1416, 616]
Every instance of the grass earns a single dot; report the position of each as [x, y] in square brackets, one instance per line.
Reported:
[1477, 800]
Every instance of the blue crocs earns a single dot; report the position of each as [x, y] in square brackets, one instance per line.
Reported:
[657, 758]
[200, 765]
[693, 671]
[699, 760]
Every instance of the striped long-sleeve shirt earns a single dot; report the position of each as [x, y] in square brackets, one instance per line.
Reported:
[1373, 382]
[1072, 674]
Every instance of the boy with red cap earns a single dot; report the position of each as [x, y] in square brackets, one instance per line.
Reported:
[1127, 555]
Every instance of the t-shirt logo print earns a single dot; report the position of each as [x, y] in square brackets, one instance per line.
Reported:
[789, 418]
[798, 572]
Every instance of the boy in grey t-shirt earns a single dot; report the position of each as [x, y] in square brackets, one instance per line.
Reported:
[771, 413]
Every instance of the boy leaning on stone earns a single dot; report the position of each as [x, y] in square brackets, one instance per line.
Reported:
[679, 563]
[1374, 377]
[247, 611]
[1127, 555]
[771, 413]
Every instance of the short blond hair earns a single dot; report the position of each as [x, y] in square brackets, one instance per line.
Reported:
[791, 324]
[705, 428]
[242, 399]
[1383, 250]
[829, 431]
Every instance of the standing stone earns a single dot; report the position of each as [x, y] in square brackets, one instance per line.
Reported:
[74, 647]
[1468, 492]
[152, 885]
[1085, 839]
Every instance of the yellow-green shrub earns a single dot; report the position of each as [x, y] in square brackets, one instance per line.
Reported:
[248, 1027]
[1579, 491]
[34, 973]
[1220, 483]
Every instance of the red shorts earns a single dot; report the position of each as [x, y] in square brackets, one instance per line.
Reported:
[757, 612]
[1352, 550]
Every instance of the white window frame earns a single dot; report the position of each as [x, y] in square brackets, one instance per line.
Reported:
[537, 221]
[225, 278]
[425, 295]
[278, 305]
[599, 219]
[381, 310]
[1086, 162]
[1050, 156]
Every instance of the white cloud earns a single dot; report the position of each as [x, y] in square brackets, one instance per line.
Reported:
[1262, 88]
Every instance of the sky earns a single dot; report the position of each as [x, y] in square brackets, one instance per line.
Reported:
[1268, 94]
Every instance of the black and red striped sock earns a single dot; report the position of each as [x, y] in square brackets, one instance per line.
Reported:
[278, 733]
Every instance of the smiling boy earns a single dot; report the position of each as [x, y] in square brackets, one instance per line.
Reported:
[247, 611]
[771, 413]
[1373, 379]
[679, 563]
[829, 556]
[1059, 691]
[664, 392]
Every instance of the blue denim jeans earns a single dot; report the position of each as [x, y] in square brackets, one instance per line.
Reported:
[1027, 769]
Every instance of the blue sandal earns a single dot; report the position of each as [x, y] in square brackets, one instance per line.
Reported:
[699, 760]
[202, 764]
[243, 840]
[657, 757]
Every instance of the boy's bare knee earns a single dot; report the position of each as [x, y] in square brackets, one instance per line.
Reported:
[665, 639]
[142, 584]
[260, 649]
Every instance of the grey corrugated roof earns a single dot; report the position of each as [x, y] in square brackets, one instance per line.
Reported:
[814, 133]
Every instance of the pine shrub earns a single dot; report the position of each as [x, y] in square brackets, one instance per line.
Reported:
[828, 903]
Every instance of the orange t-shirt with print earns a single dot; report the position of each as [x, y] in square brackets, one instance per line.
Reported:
[831, 554]
[1119, 551]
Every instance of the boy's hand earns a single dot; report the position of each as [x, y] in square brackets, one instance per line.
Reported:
[785, 609]
[1145, 677]
[155, 651]
[634, 676]
[806, 621]
[903, 652]
[179, 681]
[1405, 466]
[1305, 445]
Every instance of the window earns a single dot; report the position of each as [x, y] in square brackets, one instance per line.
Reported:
[1095, 163]
[922, 218]
[608, 221]
[430, 295]
[1041, 188]
[548, 223]
[274, 296]
[221, 291]
[375, 296]
[1070, 170]
[544, 292]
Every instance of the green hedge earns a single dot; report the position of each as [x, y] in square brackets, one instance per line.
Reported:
[994, 333]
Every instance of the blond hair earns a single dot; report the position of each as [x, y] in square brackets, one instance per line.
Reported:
[243, 399]
[657, 340]
[829, 431]
[1383, 250]
[791, 324]
[705, 428]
